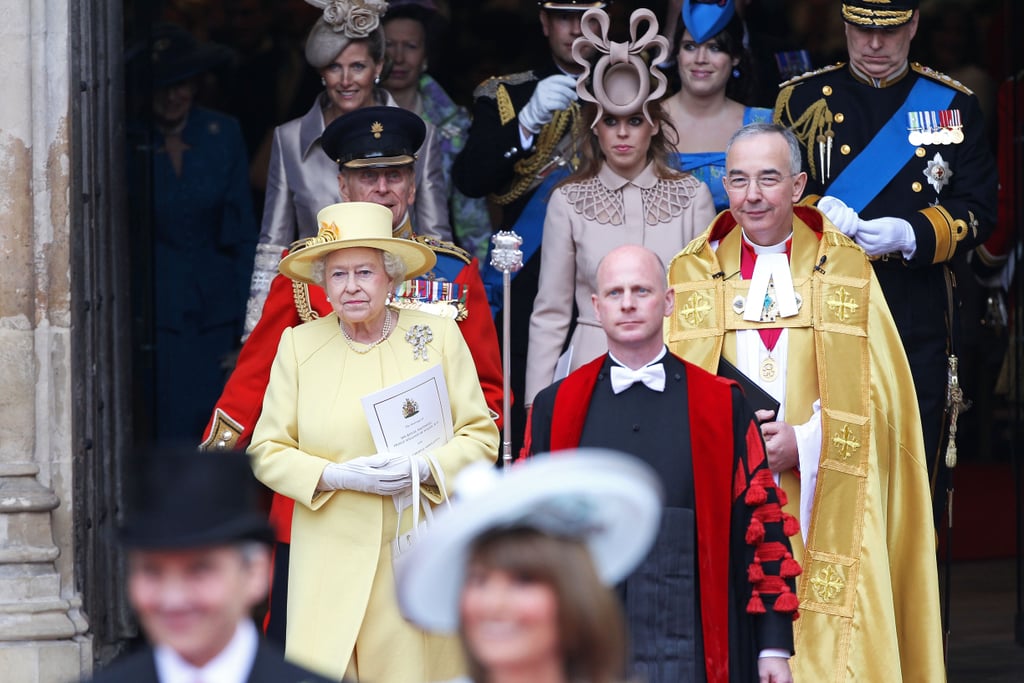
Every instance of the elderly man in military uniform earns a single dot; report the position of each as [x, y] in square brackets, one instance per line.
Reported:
[519, 146]
[374, 148]
[897, 154]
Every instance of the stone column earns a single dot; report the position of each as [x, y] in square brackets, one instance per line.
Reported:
[42, 631]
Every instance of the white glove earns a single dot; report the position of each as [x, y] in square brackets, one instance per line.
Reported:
[885, 235]
[842, 216]
[384, 474]
[552, 94]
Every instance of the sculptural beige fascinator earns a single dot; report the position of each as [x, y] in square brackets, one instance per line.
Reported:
[342, 22]
[619, 83]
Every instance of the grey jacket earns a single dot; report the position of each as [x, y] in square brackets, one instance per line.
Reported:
[301, 180]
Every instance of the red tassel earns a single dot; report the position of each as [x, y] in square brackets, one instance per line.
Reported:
[787, 602]
[754, 571]
[790, 525]
[783, 498]
[756, 495]
[755, 606]
[755, 532]
[790, 568]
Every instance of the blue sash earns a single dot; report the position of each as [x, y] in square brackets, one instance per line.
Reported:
[871, 170]
[529, 226]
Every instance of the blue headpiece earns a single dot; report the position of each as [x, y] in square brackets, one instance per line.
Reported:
[705, 19]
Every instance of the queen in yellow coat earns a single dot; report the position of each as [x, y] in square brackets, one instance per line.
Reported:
[313, 444]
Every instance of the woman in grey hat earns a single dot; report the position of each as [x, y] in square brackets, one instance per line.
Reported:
[346, 45]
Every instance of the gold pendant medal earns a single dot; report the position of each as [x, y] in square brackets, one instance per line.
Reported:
[769, 369]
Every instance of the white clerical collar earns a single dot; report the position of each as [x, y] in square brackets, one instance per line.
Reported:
[769, 249]
[650, 362]
[232, 665]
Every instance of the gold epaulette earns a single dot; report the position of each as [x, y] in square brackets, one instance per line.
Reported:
[941, 78]
[816, 72]
[489, 88]
[444, 247]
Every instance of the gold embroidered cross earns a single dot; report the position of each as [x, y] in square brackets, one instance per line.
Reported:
[696, 309]
[828, 584]
[842, 304]
[846, 442]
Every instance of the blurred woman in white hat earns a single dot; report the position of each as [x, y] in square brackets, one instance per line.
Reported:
[313, 444]
[346, 45]
[522, 566]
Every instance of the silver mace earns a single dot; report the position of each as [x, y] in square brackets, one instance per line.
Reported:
[507, 258]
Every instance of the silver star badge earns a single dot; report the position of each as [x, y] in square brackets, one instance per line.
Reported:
[938, 173]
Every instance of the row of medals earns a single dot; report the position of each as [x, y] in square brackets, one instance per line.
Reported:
[944, 127]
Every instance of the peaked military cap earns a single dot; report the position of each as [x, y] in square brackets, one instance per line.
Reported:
[373, 137]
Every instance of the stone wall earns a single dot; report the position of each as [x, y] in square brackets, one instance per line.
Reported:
[42, 632]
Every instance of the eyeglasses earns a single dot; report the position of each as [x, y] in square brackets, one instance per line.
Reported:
[740, 183]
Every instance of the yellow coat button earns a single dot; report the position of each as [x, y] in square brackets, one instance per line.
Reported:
[839, 118]
[845, 149]
[916, 187]
[920, 151]
[827, 90]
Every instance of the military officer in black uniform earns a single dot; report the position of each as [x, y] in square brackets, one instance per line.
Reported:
[897, 153]
[519, 146]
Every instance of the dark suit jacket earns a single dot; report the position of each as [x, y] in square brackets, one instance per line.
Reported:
[269, 666]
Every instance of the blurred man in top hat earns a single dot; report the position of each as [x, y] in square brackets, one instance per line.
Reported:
[519, 147]
[195, 572]
[374, 148]
[897, 152]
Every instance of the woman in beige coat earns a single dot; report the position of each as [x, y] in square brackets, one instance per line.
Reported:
[313, 444]
[623, 193]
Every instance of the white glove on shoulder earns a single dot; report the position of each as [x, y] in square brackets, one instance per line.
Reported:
[886, 235]
[552, 94]
[841, 216]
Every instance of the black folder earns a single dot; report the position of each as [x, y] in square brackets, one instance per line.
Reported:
[758, 398]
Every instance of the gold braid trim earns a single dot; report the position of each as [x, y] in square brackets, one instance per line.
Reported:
[947, 233]
[813, 126]
[528, 168]
[875, 17]
[300, 290]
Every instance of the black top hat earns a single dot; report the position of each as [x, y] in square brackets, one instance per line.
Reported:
[187, 499]
[373, 137]
[177, 55]
[879, 13]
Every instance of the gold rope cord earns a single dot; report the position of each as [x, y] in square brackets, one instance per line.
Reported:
[300, 291]
[813, 126]
[527, 169]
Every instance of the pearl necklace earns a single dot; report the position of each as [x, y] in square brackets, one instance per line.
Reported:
[388, 326]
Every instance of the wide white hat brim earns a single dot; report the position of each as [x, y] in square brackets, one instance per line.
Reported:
[610, 500]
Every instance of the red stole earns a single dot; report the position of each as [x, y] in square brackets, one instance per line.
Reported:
[711, 439]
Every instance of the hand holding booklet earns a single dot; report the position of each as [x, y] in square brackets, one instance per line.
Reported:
[413, 416]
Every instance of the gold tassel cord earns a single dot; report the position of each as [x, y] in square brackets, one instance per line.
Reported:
[813, 128]
[528, 168]
[955, 404]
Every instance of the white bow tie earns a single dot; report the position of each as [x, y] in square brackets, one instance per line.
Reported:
[653, 377]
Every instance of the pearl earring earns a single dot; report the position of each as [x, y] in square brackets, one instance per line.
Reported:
[376, 80]
[323, 81]
[328, 299]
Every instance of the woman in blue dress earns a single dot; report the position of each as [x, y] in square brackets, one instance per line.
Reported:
[716, 78]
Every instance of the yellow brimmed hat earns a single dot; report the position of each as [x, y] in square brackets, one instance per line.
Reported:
[879, 13]
[355, 224]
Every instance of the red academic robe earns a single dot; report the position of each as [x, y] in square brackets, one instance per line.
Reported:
[736, 499]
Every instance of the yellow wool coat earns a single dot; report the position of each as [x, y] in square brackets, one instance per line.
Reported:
[342, 613]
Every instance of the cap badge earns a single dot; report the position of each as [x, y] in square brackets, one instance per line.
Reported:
[377, 128]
